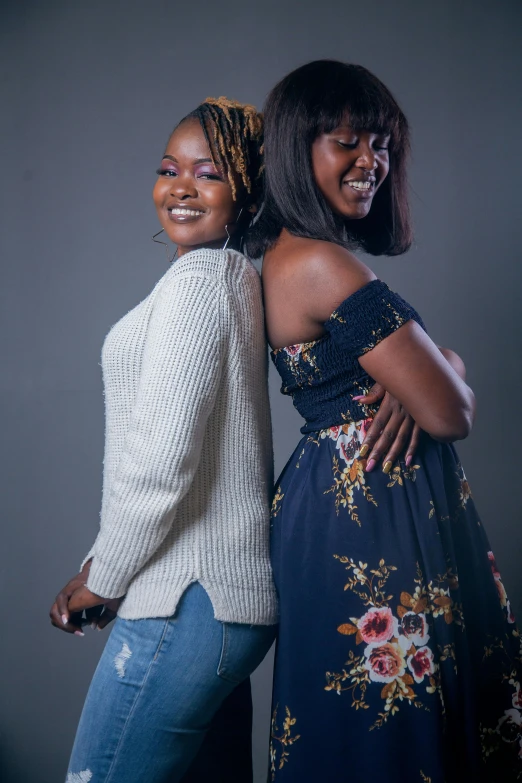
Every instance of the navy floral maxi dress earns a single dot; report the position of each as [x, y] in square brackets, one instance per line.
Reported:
[398, 659]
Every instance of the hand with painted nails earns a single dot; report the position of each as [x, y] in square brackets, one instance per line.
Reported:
[69, 618]
[392, 434]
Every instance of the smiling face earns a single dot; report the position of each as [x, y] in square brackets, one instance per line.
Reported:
[349, 167]
[193, 198]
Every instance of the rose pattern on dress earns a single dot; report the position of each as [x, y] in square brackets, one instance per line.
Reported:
[406, 640]
[384, 662]
[414, 628]
[509, 729]
[396, 652]
[506, 736]
[378, 625]
[517, 697]
[421, 663]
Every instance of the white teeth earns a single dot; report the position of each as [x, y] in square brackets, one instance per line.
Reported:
[361, 185]
[182, 211]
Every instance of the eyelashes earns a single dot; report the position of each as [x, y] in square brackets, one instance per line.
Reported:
[353, 145]
[211, 175]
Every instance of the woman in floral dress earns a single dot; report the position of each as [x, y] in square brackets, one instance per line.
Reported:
[398, 659]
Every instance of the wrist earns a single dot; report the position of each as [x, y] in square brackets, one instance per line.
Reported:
[86, 568]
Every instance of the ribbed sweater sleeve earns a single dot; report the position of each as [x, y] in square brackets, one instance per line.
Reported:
[183, 356]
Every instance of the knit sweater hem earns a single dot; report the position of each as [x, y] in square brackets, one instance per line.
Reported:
[232, 604]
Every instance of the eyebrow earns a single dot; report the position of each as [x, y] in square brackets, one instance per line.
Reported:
[198, 160]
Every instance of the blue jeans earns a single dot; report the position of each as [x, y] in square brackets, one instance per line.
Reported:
[157, 688]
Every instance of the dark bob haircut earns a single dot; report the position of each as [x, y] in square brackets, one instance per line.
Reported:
[316, 99]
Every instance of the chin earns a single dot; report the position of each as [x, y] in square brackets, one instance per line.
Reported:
[354, 214]
[359, 211]
[182, 237]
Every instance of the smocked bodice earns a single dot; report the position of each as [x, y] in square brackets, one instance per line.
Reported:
[323, 376]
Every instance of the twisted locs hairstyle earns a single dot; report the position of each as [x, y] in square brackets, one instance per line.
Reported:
[234, 133]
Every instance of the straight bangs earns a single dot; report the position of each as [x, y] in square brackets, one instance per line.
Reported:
[362, 102]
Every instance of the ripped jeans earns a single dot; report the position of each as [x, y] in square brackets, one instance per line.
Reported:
[159, 687]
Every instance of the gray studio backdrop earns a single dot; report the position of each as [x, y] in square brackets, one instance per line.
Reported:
[89, 94]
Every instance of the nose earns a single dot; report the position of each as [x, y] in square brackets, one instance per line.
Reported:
[183, 186]
[367, 160]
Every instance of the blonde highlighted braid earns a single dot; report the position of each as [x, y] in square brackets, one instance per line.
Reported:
[234, 133]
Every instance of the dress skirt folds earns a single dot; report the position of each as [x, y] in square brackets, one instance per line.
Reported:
[398, 658]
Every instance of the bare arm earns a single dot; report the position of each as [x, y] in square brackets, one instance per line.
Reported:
[455, 361]
[427, 381]
[411, 367]
[317, 277]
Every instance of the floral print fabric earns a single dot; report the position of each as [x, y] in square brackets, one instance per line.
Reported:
[323, 376]
[398, 656]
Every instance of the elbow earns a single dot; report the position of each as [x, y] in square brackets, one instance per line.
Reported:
[458, 430]
[467, 421]
[457, 425]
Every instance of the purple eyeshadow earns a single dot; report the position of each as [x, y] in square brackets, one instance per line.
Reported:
[207, 170]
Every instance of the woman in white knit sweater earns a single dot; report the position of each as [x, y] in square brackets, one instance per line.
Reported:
[182, 552]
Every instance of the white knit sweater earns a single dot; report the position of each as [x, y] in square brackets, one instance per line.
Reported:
[188, 451]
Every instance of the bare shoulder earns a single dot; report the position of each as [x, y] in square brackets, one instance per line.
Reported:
[319, 274]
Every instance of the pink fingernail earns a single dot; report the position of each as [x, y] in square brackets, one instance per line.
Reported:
[65, 619]
[370, 465]
[408, 460]
[360, 397]
[79, 633]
